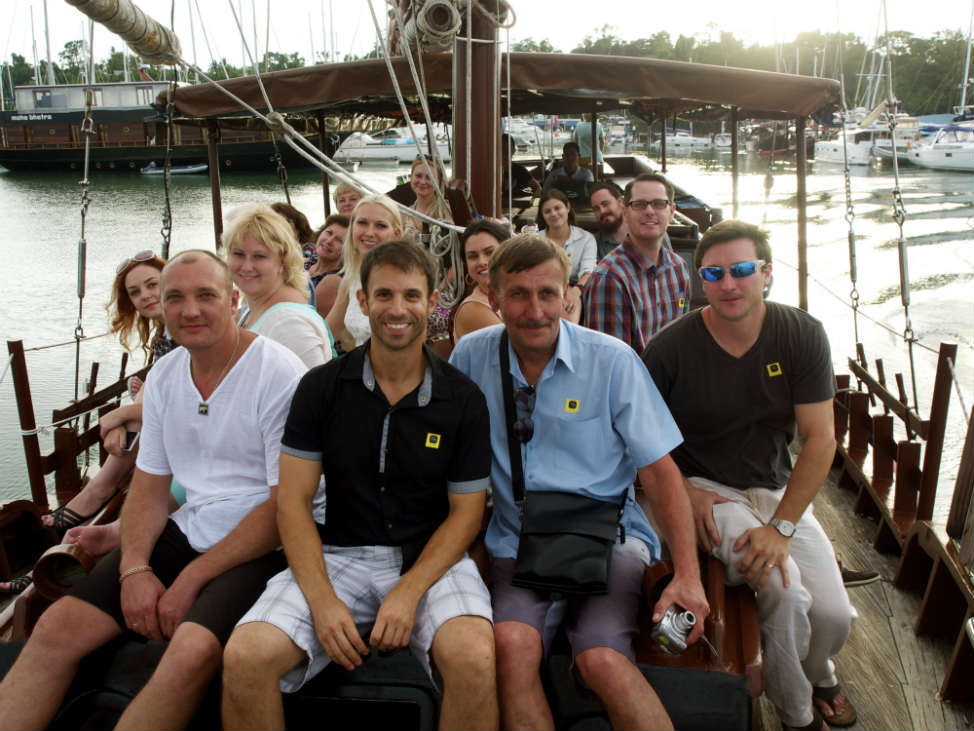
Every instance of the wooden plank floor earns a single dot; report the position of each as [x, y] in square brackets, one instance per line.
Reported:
[891, 676]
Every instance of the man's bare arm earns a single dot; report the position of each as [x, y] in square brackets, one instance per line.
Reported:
[667, 500]
[144, 515]
[333, 622]
[768, 548]
[445, 547]
[253, 537]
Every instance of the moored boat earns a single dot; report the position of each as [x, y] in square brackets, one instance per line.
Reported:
[952, 148]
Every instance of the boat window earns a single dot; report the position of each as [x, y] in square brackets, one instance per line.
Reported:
[96, 98]
[143, 95]
[42, 99]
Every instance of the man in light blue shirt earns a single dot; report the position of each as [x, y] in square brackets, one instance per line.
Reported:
[591, 420]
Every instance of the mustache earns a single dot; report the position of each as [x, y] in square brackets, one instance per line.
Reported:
[533, 323]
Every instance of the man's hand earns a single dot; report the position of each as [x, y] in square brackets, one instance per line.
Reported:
[394, 622]
[767, 550]
[689, 594]
[337, 633]
[702, 502]
[139, 599]
[174, 604]
[114, 441]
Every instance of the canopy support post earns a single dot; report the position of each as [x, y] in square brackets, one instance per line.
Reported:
[483, 178]
[662, 143]
[213, 159]
[322, 142]
[735, 167]
[800, 192]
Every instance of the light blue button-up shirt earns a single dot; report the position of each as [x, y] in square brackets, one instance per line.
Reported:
[597, 417]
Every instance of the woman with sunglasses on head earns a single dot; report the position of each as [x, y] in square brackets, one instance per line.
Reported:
[556, 220]
[134, 309]
[475, 311]
[267, 267]
[374, 221]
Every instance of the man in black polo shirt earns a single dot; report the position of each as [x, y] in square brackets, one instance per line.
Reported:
[403, 440]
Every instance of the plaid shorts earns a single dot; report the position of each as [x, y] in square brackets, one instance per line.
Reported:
[361, 577]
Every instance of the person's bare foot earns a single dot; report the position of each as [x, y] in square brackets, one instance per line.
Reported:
[96, 540]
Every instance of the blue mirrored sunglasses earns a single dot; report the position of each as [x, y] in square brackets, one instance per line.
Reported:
[738, 271]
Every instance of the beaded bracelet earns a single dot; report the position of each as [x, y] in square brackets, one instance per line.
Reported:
[132, 571]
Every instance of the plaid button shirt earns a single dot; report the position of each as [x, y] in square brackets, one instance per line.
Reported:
[630, 298]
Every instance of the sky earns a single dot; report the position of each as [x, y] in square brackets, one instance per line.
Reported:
[296, 25]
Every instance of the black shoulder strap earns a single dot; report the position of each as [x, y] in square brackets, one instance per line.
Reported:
[513, 445]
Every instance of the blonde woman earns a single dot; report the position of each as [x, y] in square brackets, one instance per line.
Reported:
[346, 198]
[374, 221]
[425, 187]
[267, 266]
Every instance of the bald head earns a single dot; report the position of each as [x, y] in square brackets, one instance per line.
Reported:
[199, 257]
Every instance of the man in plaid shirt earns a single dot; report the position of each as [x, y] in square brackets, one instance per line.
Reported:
[641, 285]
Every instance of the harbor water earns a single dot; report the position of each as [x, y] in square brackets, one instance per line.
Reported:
[41, 215]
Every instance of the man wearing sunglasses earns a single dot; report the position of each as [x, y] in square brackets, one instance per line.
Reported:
[583, 435]
[641, 285]
[741, 377]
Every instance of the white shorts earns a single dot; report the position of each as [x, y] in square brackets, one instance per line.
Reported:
[361, 577]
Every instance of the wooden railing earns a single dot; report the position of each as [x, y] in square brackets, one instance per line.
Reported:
[910, 467]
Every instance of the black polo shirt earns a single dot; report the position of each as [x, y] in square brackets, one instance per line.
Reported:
[388, 469]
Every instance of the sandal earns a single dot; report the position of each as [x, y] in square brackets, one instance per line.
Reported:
[817, 724]
[65, 518]
[15, 586]
[848, 715]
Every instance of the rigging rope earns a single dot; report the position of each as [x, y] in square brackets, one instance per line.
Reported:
[899, 216]
[850, 213]
[87, 127]
[166, 230]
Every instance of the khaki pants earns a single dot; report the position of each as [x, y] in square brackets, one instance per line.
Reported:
[801, 626]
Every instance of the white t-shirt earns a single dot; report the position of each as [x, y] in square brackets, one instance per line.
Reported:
[356, 321]
[582, 252]
[227, 459]
[300, 329]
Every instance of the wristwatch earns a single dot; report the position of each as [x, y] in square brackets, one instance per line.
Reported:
[784, 527]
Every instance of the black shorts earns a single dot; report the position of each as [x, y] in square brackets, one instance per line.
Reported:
[219, 604]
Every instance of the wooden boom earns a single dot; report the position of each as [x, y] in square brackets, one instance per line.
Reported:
[147, 37]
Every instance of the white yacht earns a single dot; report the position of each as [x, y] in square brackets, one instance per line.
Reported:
[951, 149]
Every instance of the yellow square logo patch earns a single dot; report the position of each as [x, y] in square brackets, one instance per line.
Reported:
[433, 440]
[682, 302]
[572, 405]
[774, 369]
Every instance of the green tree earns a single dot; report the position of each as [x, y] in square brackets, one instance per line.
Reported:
[529, 45]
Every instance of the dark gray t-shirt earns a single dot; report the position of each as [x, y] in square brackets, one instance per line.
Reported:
[737, 414]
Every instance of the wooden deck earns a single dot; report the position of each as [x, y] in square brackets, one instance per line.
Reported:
[891, 676]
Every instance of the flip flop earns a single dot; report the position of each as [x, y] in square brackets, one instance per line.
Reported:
[817, 724]
[15, 586]
[848, 715]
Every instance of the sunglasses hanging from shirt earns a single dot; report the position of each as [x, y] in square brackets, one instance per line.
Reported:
[566, 538]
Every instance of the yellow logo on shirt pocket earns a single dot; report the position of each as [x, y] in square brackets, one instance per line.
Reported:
[774, 369]
[682, 302]
[572, 405]
[432, 440]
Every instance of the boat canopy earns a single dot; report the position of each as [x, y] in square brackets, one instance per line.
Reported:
[551, 83]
